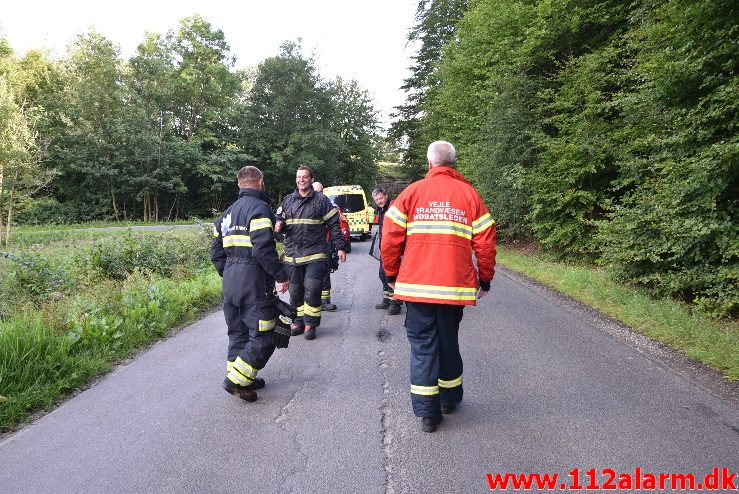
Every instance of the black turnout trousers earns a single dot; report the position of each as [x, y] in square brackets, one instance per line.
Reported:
[435, 363]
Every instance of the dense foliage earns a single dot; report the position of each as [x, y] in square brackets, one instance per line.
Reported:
[75, 302]
[602, 129]
[161, 135]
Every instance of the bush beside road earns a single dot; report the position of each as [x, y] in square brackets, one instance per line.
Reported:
[74, 305]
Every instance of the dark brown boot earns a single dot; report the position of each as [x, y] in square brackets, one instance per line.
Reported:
[240, 391]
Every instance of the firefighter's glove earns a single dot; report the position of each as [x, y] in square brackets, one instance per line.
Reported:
[285, 309]
[286, 313]
[281, 333]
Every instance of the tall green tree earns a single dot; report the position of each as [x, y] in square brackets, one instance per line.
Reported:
[287, 120]
[675, 227]
[435, 26]
[23, 174]
[185, 86]
[355, 122]
[93, 168]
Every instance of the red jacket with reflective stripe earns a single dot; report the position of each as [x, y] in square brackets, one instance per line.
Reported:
[434, 226]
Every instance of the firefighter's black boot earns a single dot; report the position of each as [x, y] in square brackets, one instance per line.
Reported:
[384, 304]
[296, 329]
[429, 423]
[257, 384]
[327, 305]
[394, 308]
[240, 391]
[310, 333]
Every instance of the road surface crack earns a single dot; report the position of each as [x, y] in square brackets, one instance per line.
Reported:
[386, 435]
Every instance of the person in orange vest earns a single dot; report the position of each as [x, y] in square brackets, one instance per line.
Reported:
[434, 226]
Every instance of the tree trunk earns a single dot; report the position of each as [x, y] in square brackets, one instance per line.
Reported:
[2, 170]
[146, 207]
[156, 208]
[10, 208]
[169, 216]
[112, 201]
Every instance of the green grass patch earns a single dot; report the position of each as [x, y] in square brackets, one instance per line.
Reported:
[96, 224]
[713, 342]
[70, 309]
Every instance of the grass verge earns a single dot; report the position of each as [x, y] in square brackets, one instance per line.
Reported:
[46, 354]
[715, 343]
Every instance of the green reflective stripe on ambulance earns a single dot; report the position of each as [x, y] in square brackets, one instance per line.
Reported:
[237, 241]
[436, 292]
[482, 223]
[259, 223]
[450, 384]
[424, 390]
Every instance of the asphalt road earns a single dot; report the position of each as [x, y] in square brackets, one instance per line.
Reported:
[549, 388]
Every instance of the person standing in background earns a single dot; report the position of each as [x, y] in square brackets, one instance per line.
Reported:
[304, 217]
[383, 202]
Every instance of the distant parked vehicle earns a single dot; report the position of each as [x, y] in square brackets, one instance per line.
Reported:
[351, 201]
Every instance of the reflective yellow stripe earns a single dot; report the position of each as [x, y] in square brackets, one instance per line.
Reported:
[482, 223]
[237, 241]
[298, 260]
[312, 311]
[238, 379]
[304, 221]
[301, 310]
[330, 214]
[245, 369]
[440, 227]
[215, 231]
[259, 223]
[235, 376]
[396, 216]
[424, 390]
[436, 292]
[266, 325]
[450, 384]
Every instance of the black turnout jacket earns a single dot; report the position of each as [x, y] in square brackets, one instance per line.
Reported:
[306, 220]
[244, 251]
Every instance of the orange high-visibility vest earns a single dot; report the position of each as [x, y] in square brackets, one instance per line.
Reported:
[434, 226]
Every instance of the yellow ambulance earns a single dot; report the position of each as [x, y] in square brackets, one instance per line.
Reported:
[353, 203]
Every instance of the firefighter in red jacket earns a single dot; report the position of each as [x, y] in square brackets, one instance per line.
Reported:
[435, 225]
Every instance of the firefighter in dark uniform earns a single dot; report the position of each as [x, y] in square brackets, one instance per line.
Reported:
[304, 217]
[244, 253]
[383, 202]
[333, 265]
